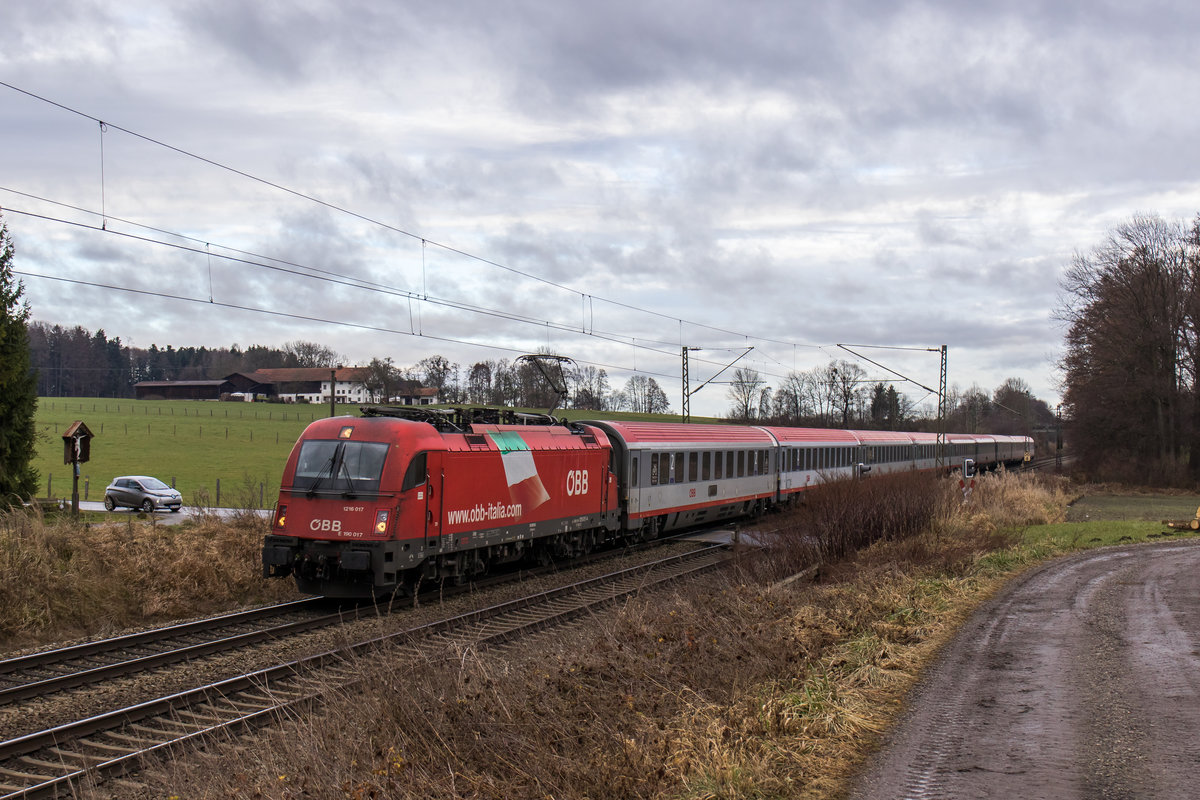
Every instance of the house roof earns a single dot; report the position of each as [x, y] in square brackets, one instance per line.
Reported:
[303, 374]
[149, 384]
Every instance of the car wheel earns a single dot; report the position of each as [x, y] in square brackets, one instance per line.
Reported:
[148, 506]
[108, 502]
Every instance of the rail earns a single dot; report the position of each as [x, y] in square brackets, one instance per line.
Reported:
[49, 762]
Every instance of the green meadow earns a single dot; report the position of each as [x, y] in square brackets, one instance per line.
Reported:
[194, 444]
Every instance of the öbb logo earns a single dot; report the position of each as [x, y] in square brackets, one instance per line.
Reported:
[329, 525]
[577, 482]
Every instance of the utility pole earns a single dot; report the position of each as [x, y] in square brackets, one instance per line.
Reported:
[940, 448]
[687, 392]
[1058, 438]
[687, 395]
[332, 390]
[941, 424]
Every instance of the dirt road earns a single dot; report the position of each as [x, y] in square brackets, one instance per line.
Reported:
[1080, 680]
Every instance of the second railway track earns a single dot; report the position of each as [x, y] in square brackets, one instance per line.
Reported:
[52, 761]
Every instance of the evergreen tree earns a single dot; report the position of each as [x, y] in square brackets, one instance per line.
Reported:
[18, 385]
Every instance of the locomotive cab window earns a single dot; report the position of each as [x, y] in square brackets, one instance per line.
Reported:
[340, 466]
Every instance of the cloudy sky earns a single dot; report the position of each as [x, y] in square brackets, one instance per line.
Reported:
[609, 180]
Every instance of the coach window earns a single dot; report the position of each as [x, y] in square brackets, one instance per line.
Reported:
[706, 467]
[654, 465]
[633, 473]
[741, 464]
[693, 467]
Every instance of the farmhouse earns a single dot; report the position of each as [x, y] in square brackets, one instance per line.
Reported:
[291, 385]
[310, 384]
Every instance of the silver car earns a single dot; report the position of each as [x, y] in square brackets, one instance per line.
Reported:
[141, 492]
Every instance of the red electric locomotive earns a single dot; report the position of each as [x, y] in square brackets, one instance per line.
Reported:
[372, 504]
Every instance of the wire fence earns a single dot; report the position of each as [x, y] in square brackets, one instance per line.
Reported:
[242, 495]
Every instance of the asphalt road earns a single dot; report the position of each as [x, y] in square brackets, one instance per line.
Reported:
[1080, 680]
[163, 517]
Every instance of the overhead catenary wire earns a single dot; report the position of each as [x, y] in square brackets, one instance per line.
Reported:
[328, 277]
[587, 322]
[254, 259]
[308, 318]
[385, 225]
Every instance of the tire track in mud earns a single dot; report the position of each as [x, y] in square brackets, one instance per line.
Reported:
[1079, 680]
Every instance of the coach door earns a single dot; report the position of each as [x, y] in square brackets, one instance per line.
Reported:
[633, 490]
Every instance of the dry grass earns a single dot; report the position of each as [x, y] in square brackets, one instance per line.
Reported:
[60, 578]
[736, 688]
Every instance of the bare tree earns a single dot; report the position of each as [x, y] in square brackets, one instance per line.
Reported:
[479, 383]
[382, 380]
[312, 354]
[744, 393]
[847, 389]
[645, 396]
[591, 388]
[1129, 309]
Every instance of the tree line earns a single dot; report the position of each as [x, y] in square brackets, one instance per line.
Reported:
[74, 362]
[839, 394]
[1131, 365]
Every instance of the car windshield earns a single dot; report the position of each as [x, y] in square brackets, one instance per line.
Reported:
[340, 466]
[153, 484]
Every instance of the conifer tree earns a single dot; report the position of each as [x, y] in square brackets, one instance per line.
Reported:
[18, 385]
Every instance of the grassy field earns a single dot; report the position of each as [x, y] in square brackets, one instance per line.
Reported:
[1152, 507]
[189, 443]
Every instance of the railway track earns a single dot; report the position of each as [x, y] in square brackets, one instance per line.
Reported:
[42, 673]
[55, 761]
[90, 663]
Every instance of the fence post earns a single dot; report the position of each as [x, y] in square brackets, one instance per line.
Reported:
[49, 486]
[86, 482]
[261, 495]
[218, 502]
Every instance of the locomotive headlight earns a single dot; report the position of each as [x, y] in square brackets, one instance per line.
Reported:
[381, 521]
[281, 517]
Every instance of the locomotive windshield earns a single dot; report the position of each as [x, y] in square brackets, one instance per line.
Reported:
[340, 466]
